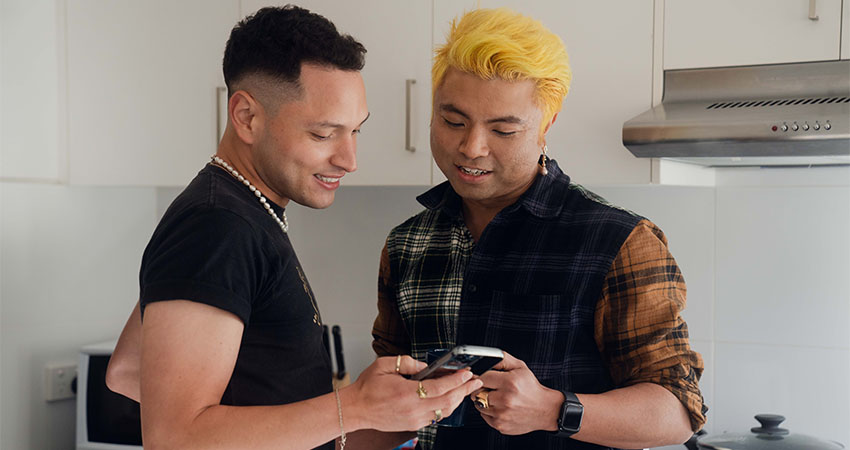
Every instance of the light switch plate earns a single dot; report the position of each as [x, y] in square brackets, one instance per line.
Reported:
[57, 381]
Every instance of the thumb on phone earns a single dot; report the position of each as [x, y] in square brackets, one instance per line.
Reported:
[509, 363]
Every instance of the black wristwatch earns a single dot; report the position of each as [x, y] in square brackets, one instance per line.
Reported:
[569, 422]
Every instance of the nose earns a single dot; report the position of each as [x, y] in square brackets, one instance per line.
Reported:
[345, 155]
[474, 144]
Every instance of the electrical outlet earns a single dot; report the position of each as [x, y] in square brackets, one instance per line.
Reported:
[58, 379]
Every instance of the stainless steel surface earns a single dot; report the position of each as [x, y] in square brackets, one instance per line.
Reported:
[408, 86]
[787, 114]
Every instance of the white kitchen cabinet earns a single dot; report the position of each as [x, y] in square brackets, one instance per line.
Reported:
[29, 91]
[142, 80]
[845, 32]
[732, 32]
[397, 37]
[610, 44]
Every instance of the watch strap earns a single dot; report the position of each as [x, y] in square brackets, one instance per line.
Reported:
[569, 420]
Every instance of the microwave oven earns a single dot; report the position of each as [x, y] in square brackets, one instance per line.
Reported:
[105, 420]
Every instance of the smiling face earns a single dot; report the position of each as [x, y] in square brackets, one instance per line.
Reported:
[485, 137]
[310, 143]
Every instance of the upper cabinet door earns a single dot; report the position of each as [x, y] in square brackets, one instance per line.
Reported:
[732, 32]
[845, 31]
[30, 92]
[142, 79]
[397, 37]
[610, 48]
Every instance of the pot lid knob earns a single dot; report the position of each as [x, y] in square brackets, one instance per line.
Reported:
[770, 425]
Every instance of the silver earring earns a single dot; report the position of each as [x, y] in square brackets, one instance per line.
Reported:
[541, 162]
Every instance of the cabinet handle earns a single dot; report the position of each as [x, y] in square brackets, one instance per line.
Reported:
[408, 86]
[220, 108]
[813, 10]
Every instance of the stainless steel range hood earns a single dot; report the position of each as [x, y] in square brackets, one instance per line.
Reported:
[783, 114]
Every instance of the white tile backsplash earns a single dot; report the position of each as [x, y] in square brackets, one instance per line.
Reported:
[340, 249]
[767, 267]
[783, 266]
[69, 263]
[686, 215]
[809, 386]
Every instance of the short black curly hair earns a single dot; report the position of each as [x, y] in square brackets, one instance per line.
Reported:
[275, 41]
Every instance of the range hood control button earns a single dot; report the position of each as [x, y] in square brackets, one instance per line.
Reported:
[784, 127]
[827, 125]
[816, 126]
[794, 126]
[806, 126]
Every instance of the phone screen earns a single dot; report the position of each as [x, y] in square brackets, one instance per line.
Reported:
[479, 359]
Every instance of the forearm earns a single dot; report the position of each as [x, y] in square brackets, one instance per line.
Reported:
[639, 416]
[304, 424]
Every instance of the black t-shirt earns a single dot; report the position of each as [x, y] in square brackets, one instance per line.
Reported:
[216, 244]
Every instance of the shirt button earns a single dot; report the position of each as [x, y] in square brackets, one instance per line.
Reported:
[473, 288]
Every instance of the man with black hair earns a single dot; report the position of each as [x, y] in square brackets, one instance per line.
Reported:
[230, 352]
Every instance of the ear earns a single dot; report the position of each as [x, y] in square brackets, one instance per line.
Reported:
[546, 130]
[246, 114]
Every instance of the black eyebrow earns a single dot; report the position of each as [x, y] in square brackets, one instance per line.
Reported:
[448, 107]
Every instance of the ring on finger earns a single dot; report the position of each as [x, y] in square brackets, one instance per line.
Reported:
[421, 391]
[482, 399]
[438, 415]
[398, 364]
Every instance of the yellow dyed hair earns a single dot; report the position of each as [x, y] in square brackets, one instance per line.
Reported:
[500, 43]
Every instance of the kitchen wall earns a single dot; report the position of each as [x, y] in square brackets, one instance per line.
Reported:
[766, 256]
[782, 299]
[69, 260]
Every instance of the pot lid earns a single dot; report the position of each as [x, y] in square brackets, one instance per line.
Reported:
[768, 436]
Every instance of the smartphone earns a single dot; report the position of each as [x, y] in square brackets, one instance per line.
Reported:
[479, 359]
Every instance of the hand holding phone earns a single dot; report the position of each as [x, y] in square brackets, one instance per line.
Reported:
[478, 359]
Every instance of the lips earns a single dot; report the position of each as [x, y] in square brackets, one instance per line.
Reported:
[325, 179]
[328, 182]
[473, 171]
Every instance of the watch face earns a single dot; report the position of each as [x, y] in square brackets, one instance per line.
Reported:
[571, 417]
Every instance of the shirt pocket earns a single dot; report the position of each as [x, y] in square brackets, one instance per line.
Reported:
[541, 330]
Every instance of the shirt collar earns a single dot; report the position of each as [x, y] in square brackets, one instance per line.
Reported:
[543, 199]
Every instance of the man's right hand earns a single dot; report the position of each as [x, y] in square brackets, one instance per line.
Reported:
[384, 400]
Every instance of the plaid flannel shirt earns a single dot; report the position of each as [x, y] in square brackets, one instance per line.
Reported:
[637, 327]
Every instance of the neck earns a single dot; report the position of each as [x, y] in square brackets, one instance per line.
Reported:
[238, 155]
[477, 216]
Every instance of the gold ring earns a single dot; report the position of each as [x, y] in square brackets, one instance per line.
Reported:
[398, 364]
[421, 391]
[482, 399]
[438, 415]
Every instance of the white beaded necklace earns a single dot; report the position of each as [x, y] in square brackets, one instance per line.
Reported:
[284, 225]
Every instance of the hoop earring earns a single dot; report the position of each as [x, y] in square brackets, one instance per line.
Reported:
[541, 162]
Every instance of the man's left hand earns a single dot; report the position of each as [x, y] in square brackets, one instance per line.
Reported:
[518, 403]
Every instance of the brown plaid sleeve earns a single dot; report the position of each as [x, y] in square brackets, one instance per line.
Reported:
[389, 336]
[639, 330]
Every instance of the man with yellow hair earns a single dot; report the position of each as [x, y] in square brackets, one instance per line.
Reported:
[584, 297]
